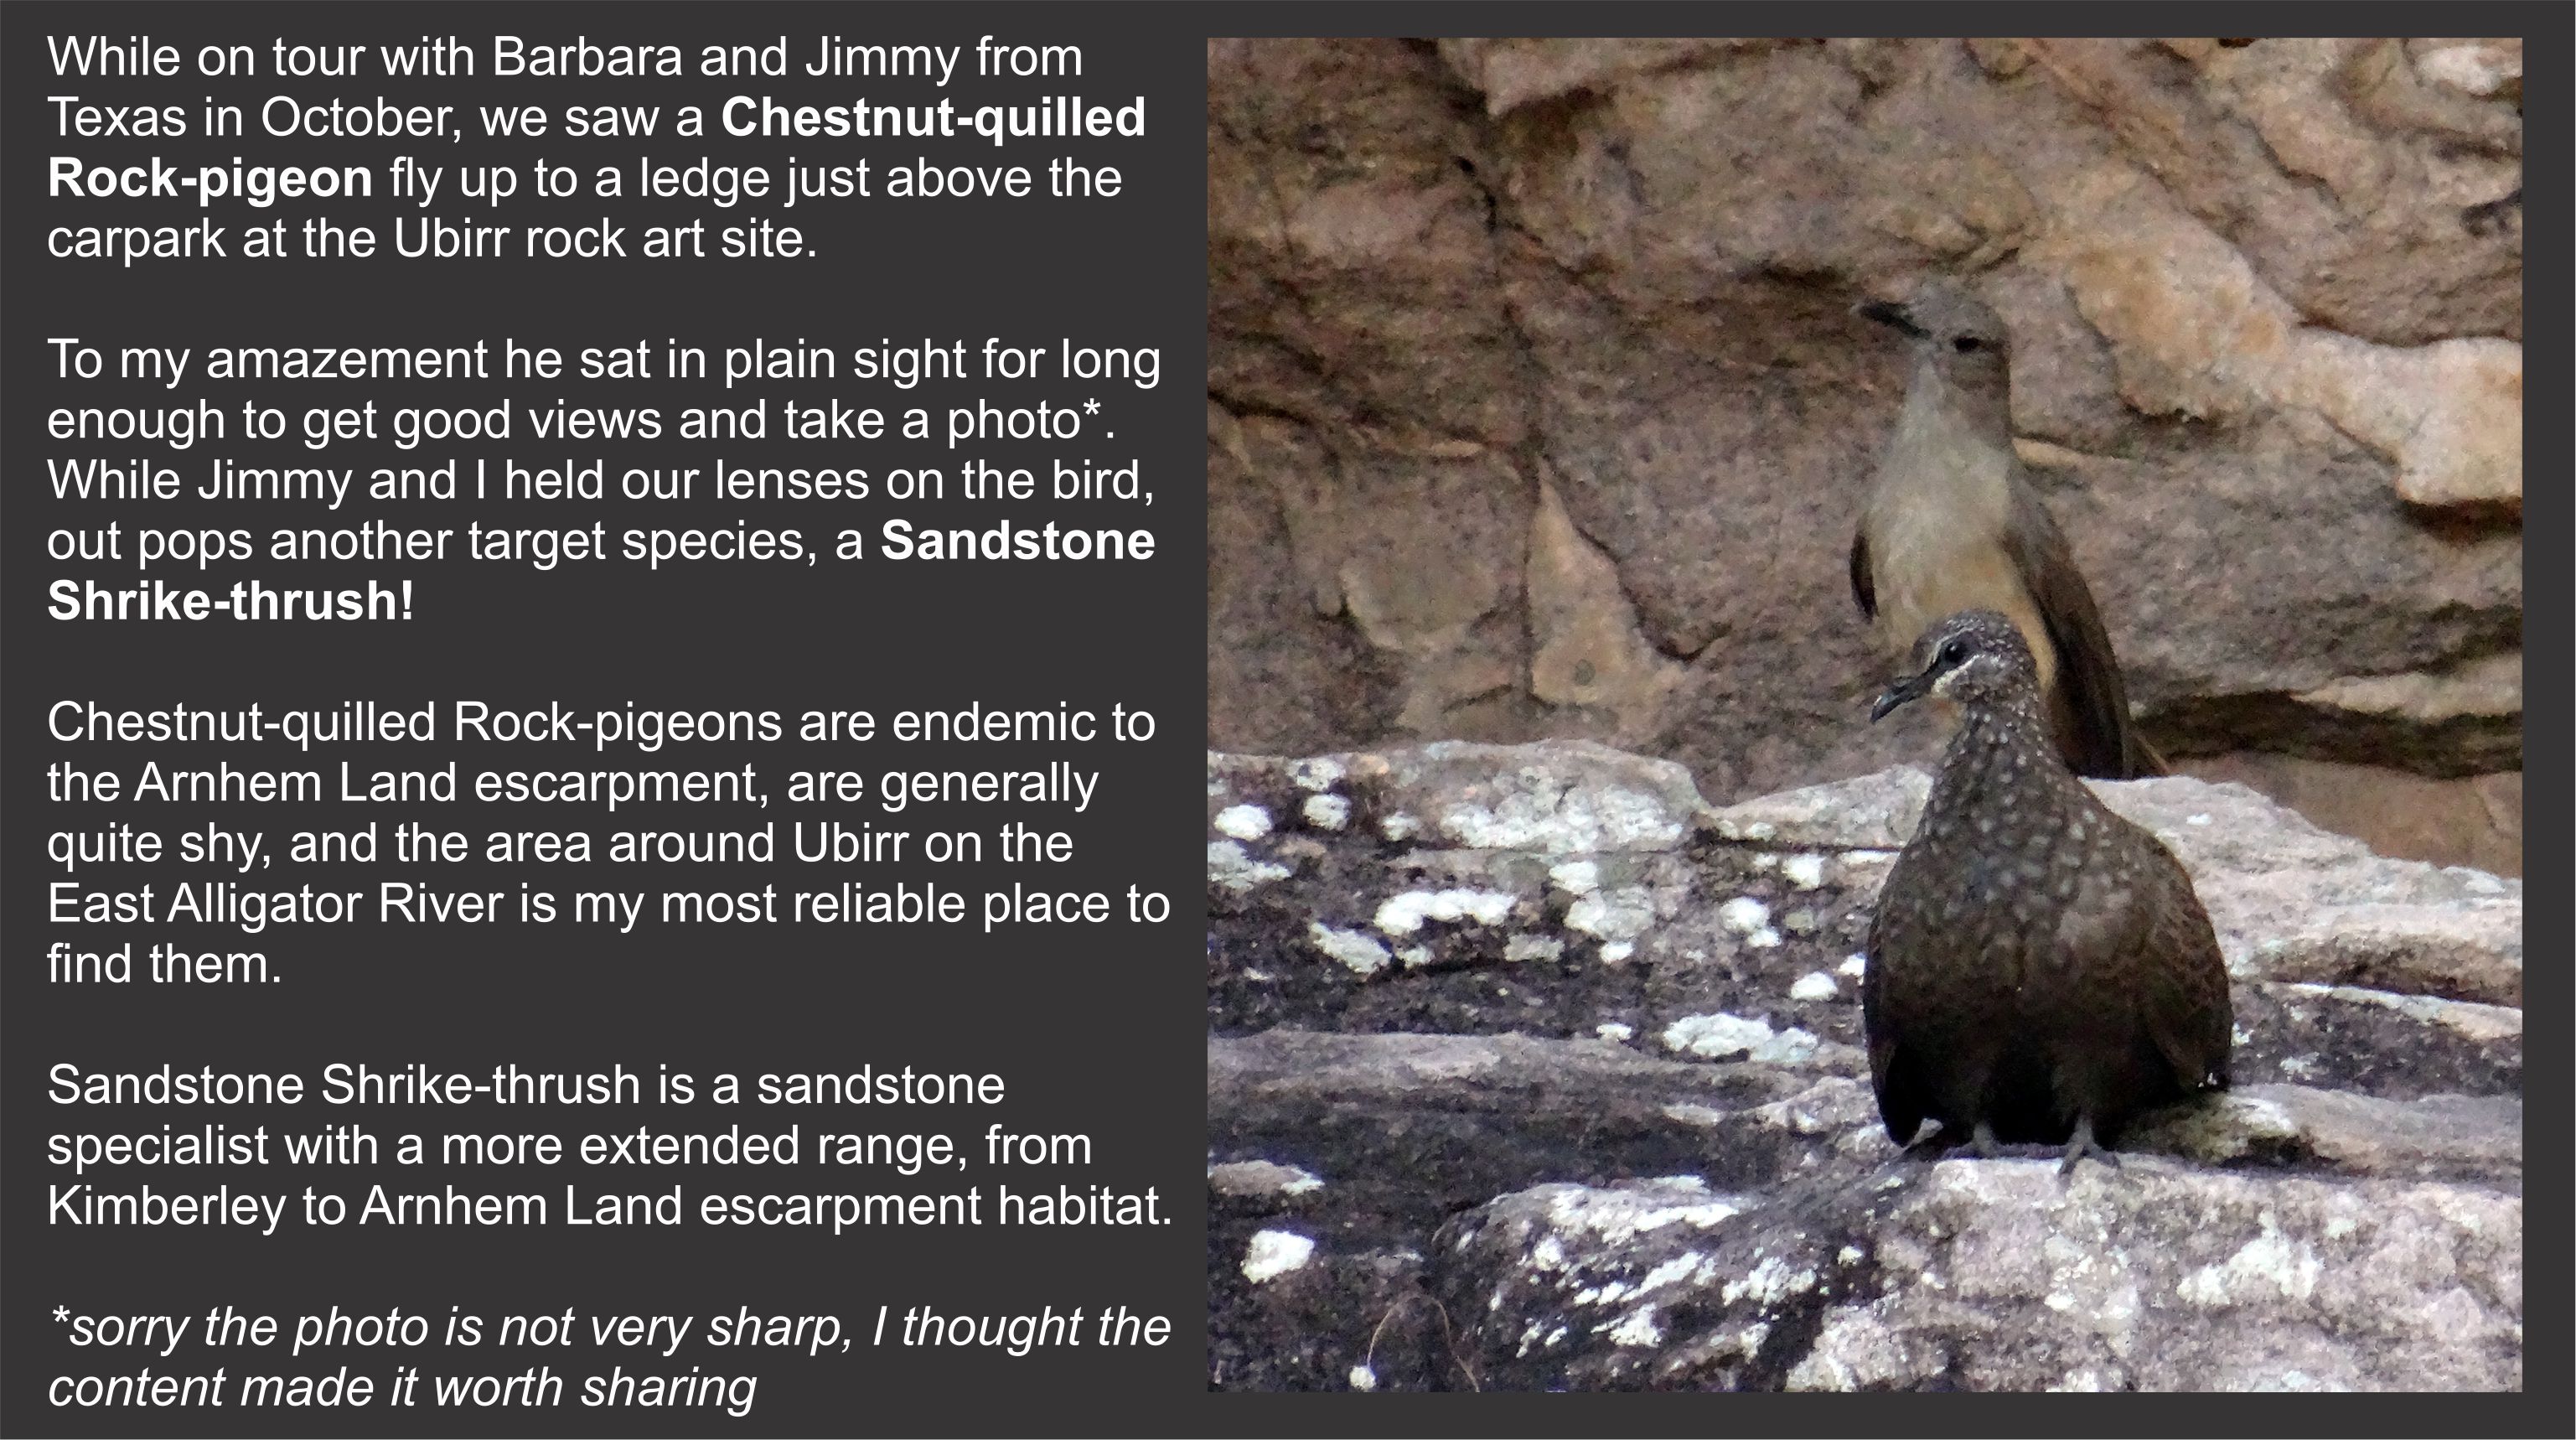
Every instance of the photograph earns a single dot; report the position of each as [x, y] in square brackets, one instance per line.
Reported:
[1862, 727]
[1865, 714]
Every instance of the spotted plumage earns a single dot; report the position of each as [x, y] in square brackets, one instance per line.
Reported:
[2039, 969]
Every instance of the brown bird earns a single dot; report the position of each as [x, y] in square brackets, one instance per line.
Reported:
[2039, 969]
[1953, 524]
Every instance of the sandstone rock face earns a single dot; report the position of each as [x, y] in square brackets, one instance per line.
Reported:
[1537, 407]
[1529, 1070]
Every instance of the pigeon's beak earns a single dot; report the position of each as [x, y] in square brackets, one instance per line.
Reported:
[1903, 692]
[1889, 313]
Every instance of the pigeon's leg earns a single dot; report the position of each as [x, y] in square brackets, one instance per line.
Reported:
[2082, 1144]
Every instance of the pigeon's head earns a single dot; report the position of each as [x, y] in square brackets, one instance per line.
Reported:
[1973, 658]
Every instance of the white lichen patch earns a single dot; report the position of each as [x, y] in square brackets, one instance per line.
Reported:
[1533, 947]
[1716, 1037]
[1689, 1267]
[1414, 956]
[1274, 1253]
[1792, 1046]
[1361, 952]
[1326, 812]
[1804, 871]
[1638, 1329]
[1616, 1217]
[1243, 822]
[1622, 914]
[1853, 966]
[2270, 1262]
[1814, 985]
[1697, 1115]
[1722, 1036]
[1252, 1179]
[1773, 1280]
[1744, 915]
[1404, 914]
[1319, 773]
[1231, 867]
[1765, 938]
[1615, 951]
[2195, 820]
[1575, 877]
[1399, 826]
[1613, 1031]
[1573, 820]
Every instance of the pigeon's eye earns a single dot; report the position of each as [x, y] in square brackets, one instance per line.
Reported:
[1967, 343]
[1953, 651]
